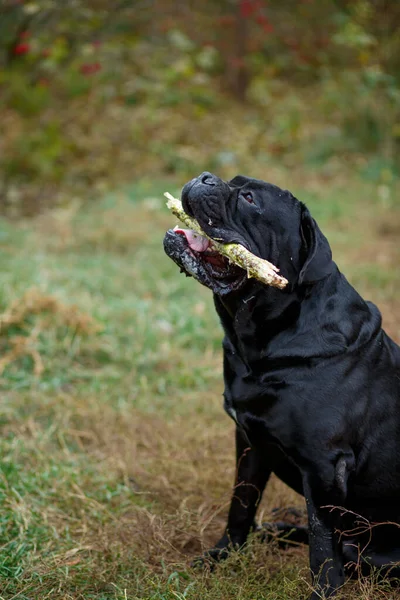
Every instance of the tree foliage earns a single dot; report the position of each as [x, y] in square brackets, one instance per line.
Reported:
[334, 63]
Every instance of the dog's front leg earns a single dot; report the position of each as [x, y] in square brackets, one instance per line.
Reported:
[251, 477]
[252, 474]
[326, 555]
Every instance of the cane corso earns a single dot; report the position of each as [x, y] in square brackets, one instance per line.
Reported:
[311, 379]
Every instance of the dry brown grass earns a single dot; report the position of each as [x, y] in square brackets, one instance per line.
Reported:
[23, 321]
[117, 460]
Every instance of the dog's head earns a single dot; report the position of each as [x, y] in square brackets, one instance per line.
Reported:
[270, 222]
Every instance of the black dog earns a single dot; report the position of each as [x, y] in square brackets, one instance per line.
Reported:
[311, 379]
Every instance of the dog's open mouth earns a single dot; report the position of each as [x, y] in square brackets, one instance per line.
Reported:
[197, 257]
[201, 245]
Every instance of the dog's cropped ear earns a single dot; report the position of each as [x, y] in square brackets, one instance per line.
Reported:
[238, 181]
[316, 250]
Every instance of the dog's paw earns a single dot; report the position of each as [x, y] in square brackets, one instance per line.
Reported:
[210, 558]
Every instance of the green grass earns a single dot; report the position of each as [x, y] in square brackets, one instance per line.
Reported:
[116, 459]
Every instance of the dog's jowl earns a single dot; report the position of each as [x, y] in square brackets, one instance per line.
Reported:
[311, 379]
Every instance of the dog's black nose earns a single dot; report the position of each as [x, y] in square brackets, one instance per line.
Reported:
[208, 178]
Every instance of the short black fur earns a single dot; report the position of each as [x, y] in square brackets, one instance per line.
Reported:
[311, 379]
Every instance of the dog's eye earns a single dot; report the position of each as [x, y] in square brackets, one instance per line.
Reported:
[248, 196]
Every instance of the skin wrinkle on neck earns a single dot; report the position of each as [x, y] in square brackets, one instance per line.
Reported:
[282, 330]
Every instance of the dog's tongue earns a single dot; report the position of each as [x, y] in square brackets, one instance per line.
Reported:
[196, 241]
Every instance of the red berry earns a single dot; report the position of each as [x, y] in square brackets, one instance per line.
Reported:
[21, 48]
[90, 68]
[247, 8]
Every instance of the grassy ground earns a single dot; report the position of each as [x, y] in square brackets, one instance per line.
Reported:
[116, 458]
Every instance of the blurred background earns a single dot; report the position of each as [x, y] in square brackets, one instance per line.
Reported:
[116, 459]
[94, 96]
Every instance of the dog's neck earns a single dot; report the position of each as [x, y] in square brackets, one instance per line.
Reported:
[274, 300]
[239, 311]
[269, 322]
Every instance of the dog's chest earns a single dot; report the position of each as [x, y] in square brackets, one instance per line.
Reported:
[258, 427]
[254, 402]
[248, 388]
